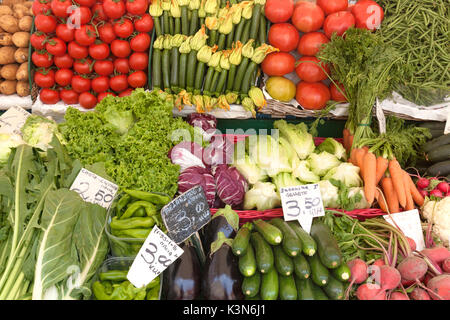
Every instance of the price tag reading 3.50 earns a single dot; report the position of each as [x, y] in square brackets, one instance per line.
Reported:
[157, 253]
[94, 189]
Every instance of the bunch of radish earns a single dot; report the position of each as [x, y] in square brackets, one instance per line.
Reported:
[87, 49]
[433, 187]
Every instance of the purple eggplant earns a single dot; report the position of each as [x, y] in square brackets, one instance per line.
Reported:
[182, 279]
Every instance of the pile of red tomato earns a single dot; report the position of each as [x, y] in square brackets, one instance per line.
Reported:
[316, 22]
[87, 49]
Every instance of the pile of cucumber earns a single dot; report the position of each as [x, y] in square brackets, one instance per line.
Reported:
[438, 156]
[279, 260]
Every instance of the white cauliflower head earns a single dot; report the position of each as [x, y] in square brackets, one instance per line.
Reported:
[438, 213]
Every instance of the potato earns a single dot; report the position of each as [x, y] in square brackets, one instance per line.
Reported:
[5, 39]
[20, 10]
[8, 87]
[9, 71]
[21, 39]
[9, 23]
[25, 23]
[23, 88]
[5, 10]
[22, 72]
[21, 55]
[28, 4]
[7, 55]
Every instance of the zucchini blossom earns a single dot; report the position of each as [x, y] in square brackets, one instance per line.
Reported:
[226, 24]
[231, 97]
[185, 47]
[205, 53]
[167, 44]
[223, 102]
[175, 10]
[183, 3]
[156, 9]
[201, 10]
[211, 7]
[257, 97]
[261, 52]
[215, 59]
[199, 39]
[194, 4]
[166, 4]
[248, 105]
[247, 49]
[212, 23]
[177, 40]
[237, 13]
[158, 44]
[247, 9]
[198, 102]
[225, 61]
[236, 54]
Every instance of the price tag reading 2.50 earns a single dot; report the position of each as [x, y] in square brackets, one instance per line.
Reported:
[157, 253]
[94, 189]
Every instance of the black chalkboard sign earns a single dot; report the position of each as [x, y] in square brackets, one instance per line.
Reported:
[186, 214]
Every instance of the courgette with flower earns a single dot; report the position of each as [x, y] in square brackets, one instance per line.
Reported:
[175, 12]
[225, 26]
[184, 16]
[176, 42]
[236, 19]
[156, 12]
[197, 100]
[262, 30]
[212, 23]
[247, 54]
[202, 12]
[246, 15]
[156, 63]
[235, 60]
[167, 20]
[184, 50]
[203, 56]
[194, 5]
[225, 67]
[167, 45]
[196, 43]
[256, 18]
[212, 66]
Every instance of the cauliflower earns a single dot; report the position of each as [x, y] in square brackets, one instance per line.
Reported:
[438, 213]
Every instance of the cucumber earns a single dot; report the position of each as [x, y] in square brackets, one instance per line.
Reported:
[272, 234]
[247, 262]
[301, 267]
[304, 289]
[241, 241]
[318, 292]
[334, 289]
[436, 133]
[269, 285]
[257, 297]
[438, 142]
[291, 244]
[432, 125]
[439, 154]
[328, 249]
[251, 285]
[288, 289]
[309, 246]
[342, 273]
[283, 263]
[263, 253]
[319, 273]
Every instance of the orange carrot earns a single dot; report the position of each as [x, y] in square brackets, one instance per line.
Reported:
[350, 141]
[359, 158]
[390, 194]
[346, 135]
[369, 176]
[409, 198]
[381, 201]
[353, 156]
[382, 165]
[397, 180]
[417, 197]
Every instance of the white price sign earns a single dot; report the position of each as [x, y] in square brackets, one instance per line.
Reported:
[302, 203]
[157, 253]
[447, 123]
[94, 189]
[409, 223]
[13, 120]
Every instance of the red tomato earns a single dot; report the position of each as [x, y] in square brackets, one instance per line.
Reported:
[86, 35]
[137, 7]
[106, 33]
[278, 64]
[98, 13]
[123, 28]
[103, 67]
[118, 83]
[83, 66]
[122, 65]
[86, 3]
[332, 6]
[49, 96]
[284, 36]
[76, 51]
[338, 23]
[99, 51]
[368, 14]
[44, 23]
[126, 93]
[56, 47]
[44, 78]
[312, 96]
[42, 59]
[69, 96]
[100, 84]
[80, 84]
[310, 71]
[143, 23]
[40, 7]
[64, 62]
[37, 40]
[137, 79]
[336, 95]
[87, 100]
[140, 43]
[79, 16]
[308, 16]
[63, 77]
[138, 61]
[310, 43]
[65, 33]
[120, 48]
[114, 9]
[278, 11]
[103, 95]
[59, 8]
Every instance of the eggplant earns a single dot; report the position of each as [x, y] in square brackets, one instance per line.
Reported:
[182, 279]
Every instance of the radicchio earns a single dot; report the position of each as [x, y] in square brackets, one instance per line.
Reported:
[187, 154]
[231, 185]
[220, 151]
[206, 123]
[194, 176]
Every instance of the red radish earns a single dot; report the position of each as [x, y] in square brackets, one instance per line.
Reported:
[440, 285]
[378, 262]
[427, 278]
[419, 294]
[436, 193]
[390, 278]
[424, 193]
[369, 291]
[358, 273]
[423, 183]
[412, 243]
[446, 265]
[398, 296]
[412, 268]
[443, 187]
[437, 254]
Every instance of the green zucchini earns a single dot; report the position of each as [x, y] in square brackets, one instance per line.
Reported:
[309, 246]
[255, 21]
[156, 69]
[304, 289]
[257, 297]
[439, 169]
[328, 249]
[319, 294]
[439, 154]
[272, 234]
[291, 244]
[288, 289]
[283, 263]
[342, 273]
[438, 142]
[263, 253]
[166, 69]
[319, 273]
[301, 267]
[241, 241]
[251, 285]
[191, 68]
[175, 58]
[269, 285]
[433, 125]
[334, 288]
[182, 71]
[247, 262]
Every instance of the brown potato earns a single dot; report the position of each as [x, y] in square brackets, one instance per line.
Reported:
[28, 4]
[5, 10]
[8, 87]
[21, 39]
[22, 72]
[7, 55]
[25, 23]
[9, 24]
[9, 71]
[23, 88]
[5, 39]
[21, 55]
[20, 10]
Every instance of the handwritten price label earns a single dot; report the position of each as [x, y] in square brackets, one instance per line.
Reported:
[13, 120]
[409, 223]
[157, 253]
[94, 189]
[447, 123]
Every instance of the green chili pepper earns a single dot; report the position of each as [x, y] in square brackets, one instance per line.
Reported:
[122, 203]
[153, 294]
[113, 275]
[140, 212]
[148, 196]
[134, 233]
[150, 209]
[100, 291]
[132, 223]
